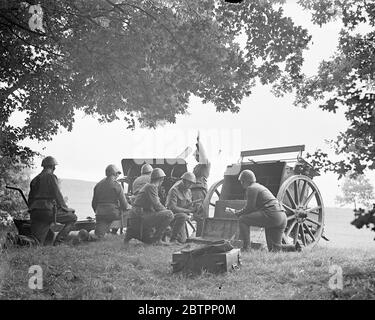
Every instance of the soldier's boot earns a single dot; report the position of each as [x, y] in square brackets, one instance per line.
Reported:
[128, 237]
[62, 235]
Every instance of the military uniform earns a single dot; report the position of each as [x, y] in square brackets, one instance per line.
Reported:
[179, 200]
[199, 191]
[45, 201]
[139, 182]
[262, 210]
[148, 218]
[108, 203]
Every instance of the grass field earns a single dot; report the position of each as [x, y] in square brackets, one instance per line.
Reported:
[108, 270]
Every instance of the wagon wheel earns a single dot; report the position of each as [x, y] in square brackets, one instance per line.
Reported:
[304, 207]
[212, 196]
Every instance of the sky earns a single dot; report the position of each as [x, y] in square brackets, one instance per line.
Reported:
[264, 121]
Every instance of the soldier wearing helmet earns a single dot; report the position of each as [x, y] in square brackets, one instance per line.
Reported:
[262, 209]
[47, 205]
[144, 178]
[148, 213]
[109, 201]
[179, 201]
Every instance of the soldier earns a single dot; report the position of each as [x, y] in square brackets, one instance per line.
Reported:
[144, 178]
[148, 213]
[262, 209]
[109, 201]
[179, 201]
[199, 188]
[47, 205]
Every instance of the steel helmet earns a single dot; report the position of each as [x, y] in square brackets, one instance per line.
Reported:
[146, 168]
[157, 173]
[189, 177]
[111, 170]
[49, 161]
[247, 175]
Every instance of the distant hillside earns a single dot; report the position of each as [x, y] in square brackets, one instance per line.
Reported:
[79, 195]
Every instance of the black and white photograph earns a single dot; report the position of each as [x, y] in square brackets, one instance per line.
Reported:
[201, 152]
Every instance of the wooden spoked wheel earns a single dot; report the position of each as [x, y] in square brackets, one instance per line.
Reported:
[304, 207]
[212, 196]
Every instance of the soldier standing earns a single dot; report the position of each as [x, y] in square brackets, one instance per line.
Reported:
[47, 205]
[199, 188]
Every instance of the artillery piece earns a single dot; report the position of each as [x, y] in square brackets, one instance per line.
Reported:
[174, 168]
[290, 180]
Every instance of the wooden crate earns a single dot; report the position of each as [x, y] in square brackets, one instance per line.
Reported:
[214, 262]
[224, 226]
[215, 229]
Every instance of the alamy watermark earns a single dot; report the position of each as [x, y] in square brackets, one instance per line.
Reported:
[36, 19]
[218, 143]
[336, 281]
[36, 279]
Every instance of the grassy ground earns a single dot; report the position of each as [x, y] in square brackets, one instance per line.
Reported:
[107, 270]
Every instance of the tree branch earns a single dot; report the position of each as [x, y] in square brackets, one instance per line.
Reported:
[33, 45]
[150, 15]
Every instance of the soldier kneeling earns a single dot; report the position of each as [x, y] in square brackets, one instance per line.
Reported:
[148, 218]
[47, 205]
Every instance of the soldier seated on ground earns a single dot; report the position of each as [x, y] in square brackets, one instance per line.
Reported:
[47, 205]
[262, 209]
[148, 218]
[179, 201]
[109, 201]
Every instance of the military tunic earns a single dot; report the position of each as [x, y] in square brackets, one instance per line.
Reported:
[149, 218]
[45, 192]
[199, 192]
[262, 209]
[148, 199]
[108, 203]
[179, 200]
[45, 200]
[139, 182]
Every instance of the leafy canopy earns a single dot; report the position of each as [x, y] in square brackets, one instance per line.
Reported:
[138, 60]
[345, 81]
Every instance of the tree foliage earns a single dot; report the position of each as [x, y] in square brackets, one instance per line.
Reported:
[137, 60]
[363, 218]
[358, 191]
[346, 81]
[17, 175]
